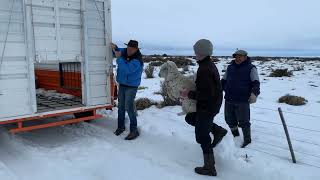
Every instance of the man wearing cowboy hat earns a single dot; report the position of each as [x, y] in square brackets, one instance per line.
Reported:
[242, 87]
[129, 71]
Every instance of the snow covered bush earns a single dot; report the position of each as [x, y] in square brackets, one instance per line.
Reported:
[298, 68]
[281, 73]
[185, 68]
[292, 100]
[149, 71]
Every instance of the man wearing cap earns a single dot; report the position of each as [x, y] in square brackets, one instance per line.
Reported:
[242, 87]
[129, 71]
[209, 97]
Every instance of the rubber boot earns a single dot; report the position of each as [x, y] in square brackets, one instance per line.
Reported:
[208, 169]
[246, 136]
[235, 132]
[218, 134]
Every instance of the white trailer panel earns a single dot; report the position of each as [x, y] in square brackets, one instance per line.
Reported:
[43, 33]
[15, 75]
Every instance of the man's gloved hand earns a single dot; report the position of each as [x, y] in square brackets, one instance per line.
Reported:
[252, 99]
[117, 54]
[113, 46]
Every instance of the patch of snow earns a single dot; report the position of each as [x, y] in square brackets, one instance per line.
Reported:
[167, 149]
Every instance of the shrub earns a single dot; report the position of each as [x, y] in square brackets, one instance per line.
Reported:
[142, 88]
[180, 61]
[298, 68]
[157, 93]
[149, 72]
[281, 73]
[292, 100]
[185, 68]
[156, 63]
[144, 103]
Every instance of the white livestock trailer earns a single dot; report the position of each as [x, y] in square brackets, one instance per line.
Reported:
[55, 60]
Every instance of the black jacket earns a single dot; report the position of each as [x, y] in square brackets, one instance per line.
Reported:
[208, 92]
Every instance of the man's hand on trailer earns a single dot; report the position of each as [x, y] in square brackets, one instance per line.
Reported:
[116, 53]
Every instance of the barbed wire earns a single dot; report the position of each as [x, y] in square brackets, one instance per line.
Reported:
[282, 137]
[277, 136]
[313, 157]
[274, 155]
[286, 149]
[289, 112]
[279, 124]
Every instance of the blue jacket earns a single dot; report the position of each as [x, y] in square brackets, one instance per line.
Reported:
[238, 83]
[129, 69]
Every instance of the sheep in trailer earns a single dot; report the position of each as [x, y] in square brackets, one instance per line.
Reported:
[176, 82]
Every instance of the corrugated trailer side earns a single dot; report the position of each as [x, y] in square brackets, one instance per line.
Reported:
[53, 32]
[15, 66]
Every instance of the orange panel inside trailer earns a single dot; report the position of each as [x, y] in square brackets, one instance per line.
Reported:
[51, 80]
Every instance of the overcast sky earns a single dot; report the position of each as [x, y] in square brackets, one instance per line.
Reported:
[258, 25]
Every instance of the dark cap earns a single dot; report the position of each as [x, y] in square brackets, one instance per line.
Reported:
[133, 43]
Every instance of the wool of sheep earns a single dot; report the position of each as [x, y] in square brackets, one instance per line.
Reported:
[176, 82]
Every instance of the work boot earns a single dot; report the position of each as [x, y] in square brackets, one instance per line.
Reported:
[208, 169]
[218, 134]
[246, 136]
[235, 132]
[119, 131]
[132, 135]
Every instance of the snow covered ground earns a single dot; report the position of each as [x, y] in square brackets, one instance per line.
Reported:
[167, 149]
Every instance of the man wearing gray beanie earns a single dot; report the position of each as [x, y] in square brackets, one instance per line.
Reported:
[209, 96]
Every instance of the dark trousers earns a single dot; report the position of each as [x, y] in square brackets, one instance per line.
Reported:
[126, 103]
[237, 115]
[203, 123]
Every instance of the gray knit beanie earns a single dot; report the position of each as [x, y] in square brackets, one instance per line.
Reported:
[203, 47]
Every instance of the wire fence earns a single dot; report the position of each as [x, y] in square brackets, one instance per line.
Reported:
[308, 151]
[305, 154]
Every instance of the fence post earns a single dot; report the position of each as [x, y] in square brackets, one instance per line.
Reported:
[287, 135]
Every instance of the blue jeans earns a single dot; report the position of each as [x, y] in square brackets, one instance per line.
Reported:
[126, 98]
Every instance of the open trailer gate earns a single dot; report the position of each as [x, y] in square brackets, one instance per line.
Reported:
[16, 66]
[55, 61]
